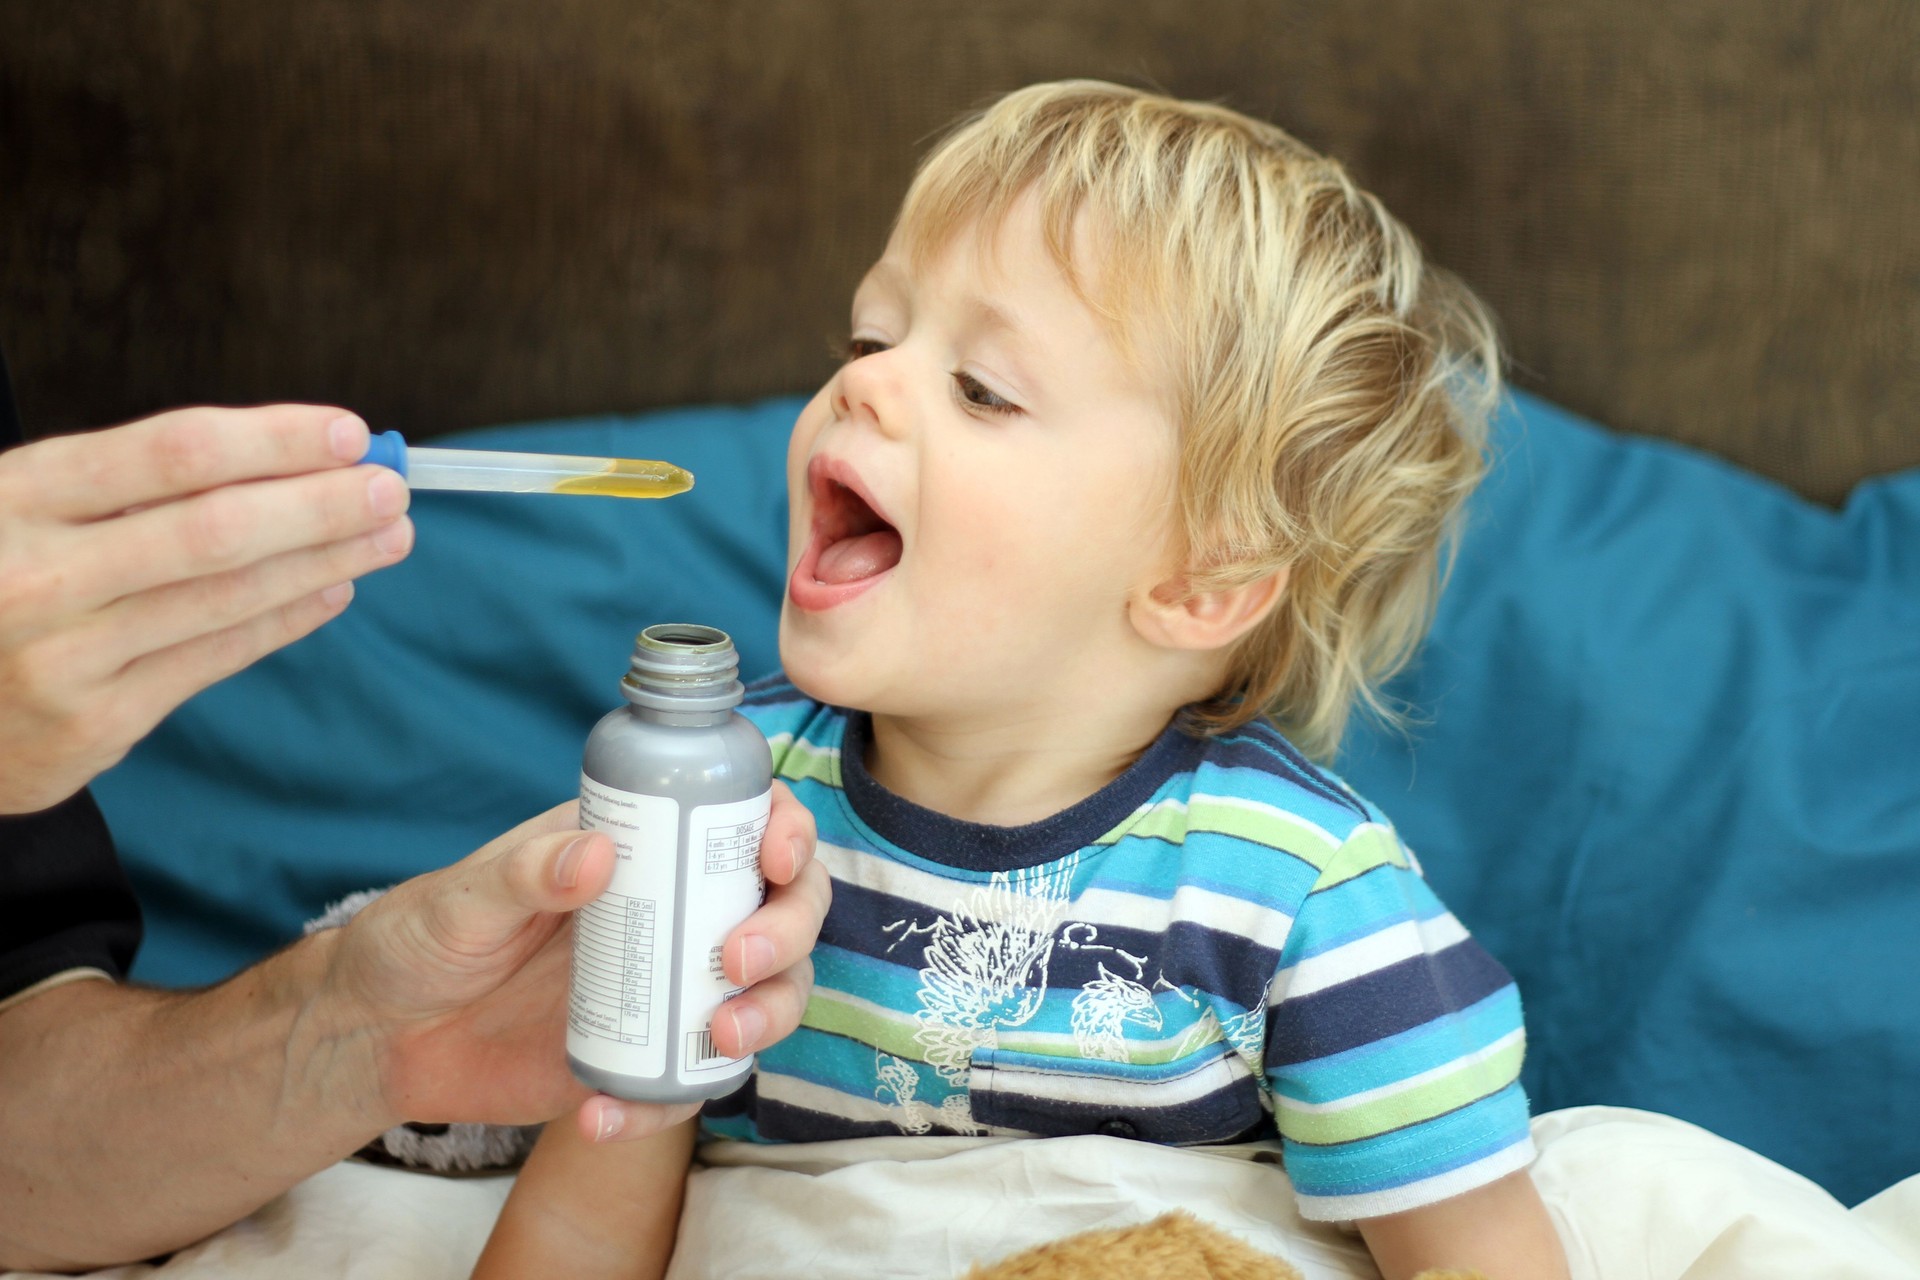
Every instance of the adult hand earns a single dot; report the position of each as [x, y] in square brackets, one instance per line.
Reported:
[457, 979]
[140, 564]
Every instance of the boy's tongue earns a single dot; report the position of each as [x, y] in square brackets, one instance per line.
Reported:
[860, 556]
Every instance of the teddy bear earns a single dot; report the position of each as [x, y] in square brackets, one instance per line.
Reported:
[1174, 1246]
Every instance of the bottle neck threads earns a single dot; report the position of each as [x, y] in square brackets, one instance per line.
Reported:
[683, 668]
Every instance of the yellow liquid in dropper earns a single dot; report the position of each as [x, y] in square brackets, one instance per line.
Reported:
[630, 478]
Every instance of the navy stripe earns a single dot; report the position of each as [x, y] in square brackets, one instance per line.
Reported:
[1261, 747]
[978, 846]
[1186, 954]
[1381, 1004]
[739, 1102]
[1225, 1115]
[1224, 964]
[784, 1122]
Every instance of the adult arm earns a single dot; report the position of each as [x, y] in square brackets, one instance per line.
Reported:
[178, 1113]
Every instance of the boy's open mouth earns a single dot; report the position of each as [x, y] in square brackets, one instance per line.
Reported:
[852, 543]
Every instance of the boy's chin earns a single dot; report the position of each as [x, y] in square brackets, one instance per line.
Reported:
[822, 670]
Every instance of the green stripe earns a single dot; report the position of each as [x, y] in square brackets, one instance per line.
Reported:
[1437, 1097]
[1368, 847]
[1170, 820]
[824, 1013]
[892, 1031]
[800, 760]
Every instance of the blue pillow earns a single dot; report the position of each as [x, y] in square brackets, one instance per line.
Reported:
[1666, 763]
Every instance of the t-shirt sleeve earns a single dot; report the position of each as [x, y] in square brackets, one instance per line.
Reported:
[64, 900]
[1393, 1044]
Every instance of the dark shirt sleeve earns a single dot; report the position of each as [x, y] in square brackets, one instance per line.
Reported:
[64, 900]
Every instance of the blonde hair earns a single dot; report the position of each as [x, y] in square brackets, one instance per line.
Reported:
[1332, 388]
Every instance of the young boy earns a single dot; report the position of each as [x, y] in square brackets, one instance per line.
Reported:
[1151, 425]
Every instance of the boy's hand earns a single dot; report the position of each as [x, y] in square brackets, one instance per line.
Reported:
[140, 564]
[449, 994]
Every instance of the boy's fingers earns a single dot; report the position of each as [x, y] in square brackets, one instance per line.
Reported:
[605, 1119]
[169, 455]
[782, 931]
[767, 1013]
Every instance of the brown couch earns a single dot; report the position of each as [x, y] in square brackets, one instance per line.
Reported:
[1694, 220]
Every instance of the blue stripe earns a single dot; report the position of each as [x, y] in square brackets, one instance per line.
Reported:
[1268, 751]
[1353, 909]
[1411, 1155]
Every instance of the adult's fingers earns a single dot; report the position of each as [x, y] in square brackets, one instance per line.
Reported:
[226, 529]
[782, 931]
[150, 687]
[99, 473]
[174, 614]
[788, 842]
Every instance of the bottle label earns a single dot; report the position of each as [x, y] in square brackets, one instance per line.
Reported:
[724, 887]
[624, 996]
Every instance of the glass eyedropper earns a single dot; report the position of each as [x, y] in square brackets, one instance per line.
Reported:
[494, 471]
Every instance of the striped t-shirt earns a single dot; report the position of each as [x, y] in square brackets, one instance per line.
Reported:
[1222, 940]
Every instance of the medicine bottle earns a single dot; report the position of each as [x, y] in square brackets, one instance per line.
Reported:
[683, 785]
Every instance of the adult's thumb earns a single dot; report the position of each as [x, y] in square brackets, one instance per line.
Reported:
[488, 896]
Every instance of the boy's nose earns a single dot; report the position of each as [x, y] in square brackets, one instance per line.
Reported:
[865, 395]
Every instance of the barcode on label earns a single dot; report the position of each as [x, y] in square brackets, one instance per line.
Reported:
[700, 1047]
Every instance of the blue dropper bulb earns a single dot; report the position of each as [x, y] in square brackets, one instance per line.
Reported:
[387, 449]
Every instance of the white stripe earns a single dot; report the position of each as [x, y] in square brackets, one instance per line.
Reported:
[1101, 1090]
[1228, 914]
[1285, 817]
[1362, 956]
[1411, 1082]
[1415, 1195]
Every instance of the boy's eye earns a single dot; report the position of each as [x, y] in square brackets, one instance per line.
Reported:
[859, 349]
[977, 395]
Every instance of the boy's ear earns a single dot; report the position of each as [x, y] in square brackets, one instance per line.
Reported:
[1173, 615]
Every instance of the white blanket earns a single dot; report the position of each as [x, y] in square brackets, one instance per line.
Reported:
[1635, 1196]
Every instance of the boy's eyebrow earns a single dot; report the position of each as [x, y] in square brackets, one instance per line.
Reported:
[981, 312]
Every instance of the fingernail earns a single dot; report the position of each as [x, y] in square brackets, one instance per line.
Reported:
[566, 872]
[749, 1024]
[756, 957]
[394, 539]
[612, 1121]
[802, 850]
[347, 438]
[386, 494]
[337, 595]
